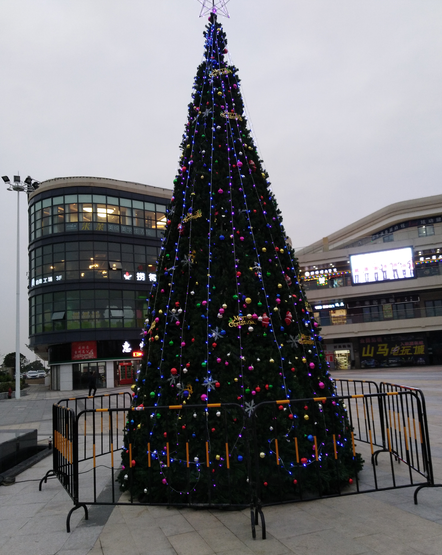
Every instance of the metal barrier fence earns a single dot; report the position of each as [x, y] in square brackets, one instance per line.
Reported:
[388, 427]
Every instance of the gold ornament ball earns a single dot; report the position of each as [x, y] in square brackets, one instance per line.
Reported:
[217, 457]
[248, 300]
[235, 379]
[281, 250]
[304, 359]
[264, 249]
[306, 417]
[157, 337]
[224, 306]
[271, 360]
[160, 312]
[279, 285]
[133, 386]
[262, 455]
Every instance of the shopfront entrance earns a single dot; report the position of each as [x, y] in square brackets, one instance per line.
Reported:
[343, 359]
[125, 373]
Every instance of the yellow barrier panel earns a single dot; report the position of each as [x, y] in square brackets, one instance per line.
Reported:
[214, 405]
[130, 455]
[168, 456]
[316, 449]
[207, 454]
[148, 455]
[283, 402]
[359, 396]
[277, 451]
[175, 407]
[187, 454]
[296, 449]
[101, 410]
[227, 456]
[334, 446]
[371, 441]
[320, 399]
[353, 444]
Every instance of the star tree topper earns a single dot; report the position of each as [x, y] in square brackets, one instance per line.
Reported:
[214, 6]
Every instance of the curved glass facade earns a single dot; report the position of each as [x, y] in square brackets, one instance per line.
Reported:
[93, 249]
[84, 260]
[86, 309]
[98, 213]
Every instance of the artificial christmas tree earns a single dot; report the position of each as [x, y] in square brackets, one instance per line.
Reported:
[229, 338]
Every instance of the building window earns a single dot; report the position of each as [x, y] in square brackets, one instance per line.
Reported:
[433, 308]
[425, 230]
[91, 261]
[86, 309]
[388, 238]
[98, 213]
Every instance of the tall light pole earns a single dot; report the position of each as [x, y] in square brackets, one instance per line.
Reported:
[26, 186]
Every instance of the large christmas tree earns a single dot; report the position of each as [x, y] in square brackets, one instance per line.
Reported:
[229, 325]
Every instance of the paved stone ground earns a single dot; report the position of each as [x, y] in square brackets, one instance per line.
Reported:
[369, 524]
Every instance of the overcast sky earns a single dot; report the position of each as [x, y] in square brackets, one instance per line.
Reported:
[344, 98]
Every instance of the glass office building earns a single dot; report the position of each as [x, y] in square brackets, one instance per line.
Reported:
[93, 247]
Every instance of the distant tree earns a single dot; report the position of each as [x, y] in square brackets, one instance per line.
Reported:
[35, 365]
[9, 361]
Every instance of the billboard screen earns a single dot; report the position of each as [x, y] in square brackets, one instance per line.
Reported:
[389, 265]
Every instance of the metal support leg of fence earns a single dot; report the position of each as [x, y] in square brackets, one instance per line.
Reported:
[68, 519]
[49, 474]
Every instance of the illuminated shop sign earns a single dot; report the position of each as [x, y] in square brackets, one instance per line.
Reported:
[387, 265]
[137, 354]
[126, 348]
[327, 306]
[83, 350]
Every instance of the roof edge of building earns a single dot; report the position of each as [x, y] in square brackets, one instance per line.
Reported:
[84, 181]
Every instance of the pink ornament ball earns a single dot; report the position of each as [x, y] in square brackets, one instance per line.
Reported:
[321, 385]
[203, 397]
[312, 365]
[164, 481]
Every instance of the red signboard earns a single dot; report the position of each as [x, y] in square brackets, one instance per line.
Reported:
[83, 350]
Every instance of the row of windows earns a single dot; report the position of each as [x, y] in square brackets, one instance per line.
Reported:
[102, 213]
[399, 311]
[86, 309]
[422, 231]
[379, 313]
[97, 260]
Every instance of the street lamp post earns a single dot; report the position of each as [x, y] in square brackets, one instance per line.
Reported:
[26, 186]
